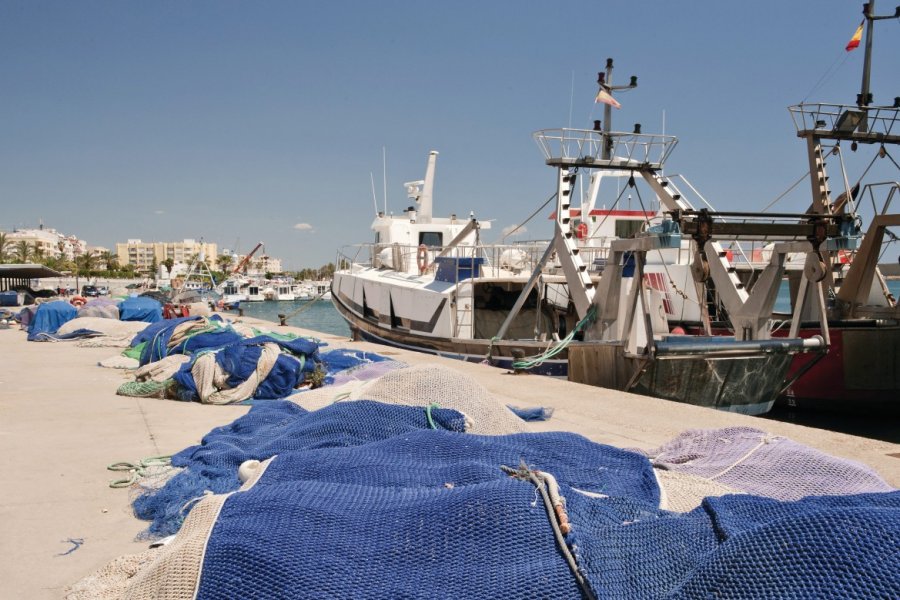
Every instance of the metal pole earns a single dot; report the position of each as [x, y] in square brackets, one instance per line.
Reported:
[520, 301]
[868, 13]
[607, 114]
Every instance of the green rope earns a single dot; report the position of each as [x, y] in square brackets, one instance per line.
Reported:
[533, 361]
[137, 470]
[283, 337]
[145, 389]
[428, 414]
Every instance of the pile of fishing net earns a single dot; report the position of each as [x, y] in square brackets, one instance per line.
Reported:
[100, 331]
[105, 308]
[216, 362]
[362, 498]
[207, 360]
[45, 321]
[701, 463]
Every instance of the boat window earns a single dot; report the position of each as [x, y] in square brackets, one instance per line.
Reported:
[626, 228]
[432, 239]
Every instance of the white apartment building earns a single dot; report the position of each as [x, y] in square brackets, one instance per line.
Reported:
[49, 242]
[142, 254]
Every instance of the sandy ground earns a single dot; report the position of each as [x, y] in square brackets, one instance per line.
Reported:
[61, 424]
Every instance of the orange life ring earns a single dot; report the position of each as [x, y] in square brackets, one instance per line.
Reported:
[581, 230]
[78, 301]
[422, 258]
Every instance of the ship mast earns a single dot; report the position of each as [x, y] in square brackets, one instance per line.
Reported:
[864, 99]
[604, 80]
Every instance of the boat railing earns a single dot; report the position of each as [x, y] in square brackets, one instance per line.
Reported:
[598, 149]
[488, 260]
[870, 124]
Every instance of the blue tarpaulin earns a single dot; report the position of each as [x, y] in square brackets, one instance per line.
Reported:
[140, 308]
[50, 316]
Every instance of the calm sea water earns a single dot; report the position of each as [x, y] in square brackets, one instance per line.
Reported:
[317, 316]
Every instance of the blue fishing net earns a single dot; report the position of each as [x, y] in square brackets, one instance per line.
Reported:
[405, 522]
[273, 428]
[742, 546]
[428, 514]
[151, 331]
[429, 458]
[239, 359]
[216, 335]
[324, 540]
[341, 359]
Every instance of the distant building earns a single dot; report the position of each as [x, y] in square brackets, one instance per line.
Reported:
[49, 243]
[141, 255]
[264, 264]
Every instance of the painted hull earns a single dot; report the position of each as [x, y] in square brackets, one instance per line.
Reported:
[499, 354]
[860, 373]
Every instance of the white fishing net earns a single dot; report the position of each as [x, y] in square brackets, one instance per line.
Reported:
[108, 327]
[422, 386]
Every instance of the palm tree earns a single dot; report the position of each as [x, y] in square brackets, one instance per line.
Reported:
[5, 247]
[225, 261]
[24, 251]
[84, 264]
[110, 260]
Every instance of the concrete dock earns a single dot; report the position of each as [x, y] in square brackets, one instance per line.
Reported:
[61, 424]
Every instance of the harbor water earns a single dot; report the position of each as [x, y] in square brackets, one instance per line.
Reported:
[316, 316]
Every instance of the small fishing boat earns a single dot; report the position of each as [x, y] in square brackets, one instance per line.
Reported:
[255, 292]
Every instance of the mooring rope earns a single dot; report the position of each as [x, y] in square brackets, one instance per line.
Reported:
[534, 361]
[306, 306]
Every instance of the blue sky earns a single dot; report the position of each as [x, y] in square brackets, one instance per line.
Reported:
[240, 121]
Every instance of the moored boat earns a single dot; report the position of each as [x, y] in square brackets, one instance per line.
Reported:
[430, 284]
[861, 371]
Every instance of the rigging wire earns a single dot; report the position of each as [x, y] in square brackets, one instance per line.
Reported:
[786, 192]
[522, 224]
[829, 73]
[612, 208]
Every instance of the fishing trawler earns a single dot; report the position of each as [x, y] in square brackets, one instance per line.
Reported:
[860, 372]
[608, 313]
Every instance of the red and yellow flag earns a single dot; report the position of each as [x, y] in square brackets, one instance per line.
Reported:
[854, 41]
